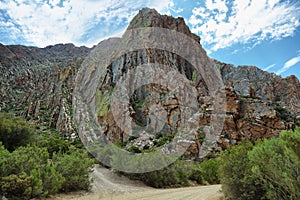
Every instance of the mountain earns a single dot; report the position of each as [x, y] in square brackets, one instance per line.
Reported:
[38, 83]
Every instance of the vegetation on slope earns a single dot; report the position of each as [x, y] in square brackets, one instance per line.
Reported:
[36, 164]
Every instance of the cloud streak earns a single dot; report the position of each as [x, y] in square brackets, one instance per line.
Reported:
[223, 23]
[287, 65]
[42, 22]
[269, 67]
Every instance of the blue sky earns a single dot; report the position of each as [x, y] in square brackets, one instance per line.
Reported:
[263, 33]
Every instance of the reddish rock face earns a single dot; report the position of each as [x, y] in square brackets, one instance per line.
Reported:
[38, 84]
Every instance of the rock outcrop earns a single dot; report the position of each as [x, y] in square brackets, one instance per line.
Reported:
[37, 83]
[250, 81]
[151, 18]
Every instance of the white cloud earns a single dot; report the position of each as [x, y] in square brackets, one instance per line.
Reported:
[54, 2]
[216, 5]
[290, 63]
[49, 22]
[269, 67]
[194, 20]
[248, 21]
[198, 14]
[174, 9]
[9, 30]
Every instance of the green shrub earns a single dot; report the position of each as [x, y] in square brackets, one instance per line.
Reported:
[14, 131]
[34, 172]
[78, 143]
[205, 172]
[283, 113]
[268, 170]
[17, 185]
[201, 136]
[119, 144]
[35, 163]
[75, 167]
[276, 162]
[4, 157]
[29, 172]
[104, 153]
[174, 175]
[209, 170]
[53, 143]
[180, 173]
[236, 176]
[163, 140]
[196, 174]
[134, 149]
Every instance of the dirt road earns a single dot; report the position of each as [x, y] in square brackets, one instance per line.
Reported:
[109, 186]
[190, 193]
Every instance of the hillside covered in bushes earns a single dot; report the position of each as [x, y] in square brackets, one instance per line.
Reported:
[37, 164]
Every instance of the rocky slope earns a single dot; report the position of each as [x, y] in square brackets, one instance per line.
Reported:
[259, 104]
[37, 83]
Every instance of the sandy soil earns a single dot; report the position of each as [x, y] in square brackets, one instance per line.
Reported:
[110, 186]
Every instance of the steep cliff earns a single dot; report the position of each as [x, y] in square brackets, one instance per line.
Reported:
[37, 83]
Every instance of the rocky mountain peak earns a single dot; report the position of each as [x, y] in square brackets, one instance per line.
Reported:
[151, 18]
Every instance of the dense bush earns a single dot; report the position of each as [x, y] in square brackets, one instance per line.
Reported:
[181, 173]
[31, 169]
[196, 174]
[75, 167]
[29, 172]
[209, 170]
[236, 175]
[36, 164]
[52, 142]
[17, 185]
[174, 175]
[14, 131]
[276, 162]
[4, 157]
[268, 170]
